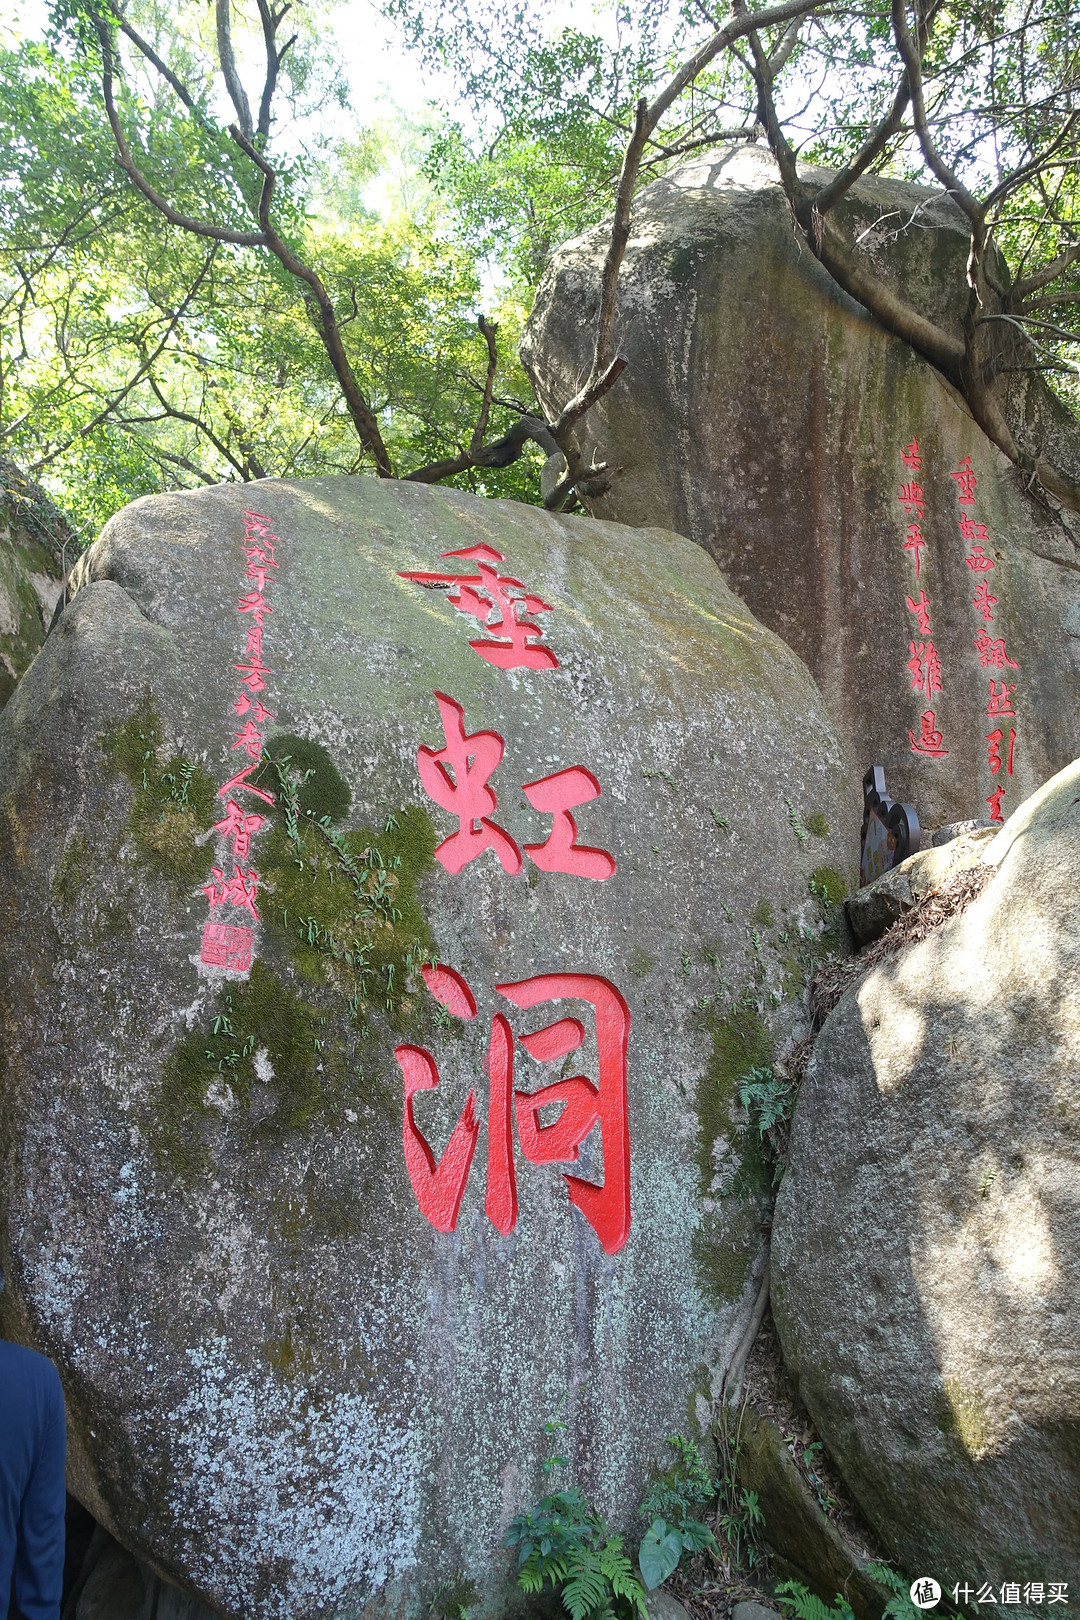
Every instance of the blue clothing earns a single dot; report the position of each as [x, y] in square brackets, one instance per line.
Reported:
[33, 1443]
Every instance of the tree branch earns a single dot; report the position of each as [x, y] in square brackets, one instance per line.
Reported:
[271, 22]
[152, 56]
[488, 330]
[870, 150]
[237, 93]
[118, 399]
[197, 227]
[363, 418]
[1042, 278]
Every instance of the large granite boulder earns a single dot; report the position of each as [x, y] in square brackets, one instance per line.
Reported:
[926, 1248]
[36, 544]
[841, 485]
[312, 1274]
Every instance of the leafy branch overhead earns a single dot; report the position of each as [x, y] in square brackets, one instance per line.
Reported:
[982, 104]
[188, 291]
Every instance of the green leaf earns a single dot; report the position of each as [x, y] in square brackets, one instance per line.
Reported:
[659, 1553]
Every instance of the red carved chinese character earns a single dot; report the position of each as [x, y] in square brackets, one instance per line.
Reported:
[978, 561]
[556, 796]
[450, 988]
[972, 530]
[486, 592]
[983, 600]
[911, 457]
[994, 801]
[915, 543]
[912, 499]
[250, 740]
[1000, 702]
[500, 1202]
[929, 739]
[500, 1197]
[243, 704]
[439, 1188]
[239, 828]
[226, 947]
[465, 794]
[606, 1207]
[925, 667]
[256, 524]
[254, 603]
[251, 674]
[966, 481]
[921, 610]
[254, 642]
[256, 570]
[239, 890]
[240, 780]
[995, 738]
[992, 654]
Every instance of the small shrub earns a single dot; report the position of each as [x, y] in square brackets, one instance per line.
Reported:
[671, 1502]
[564, 1543]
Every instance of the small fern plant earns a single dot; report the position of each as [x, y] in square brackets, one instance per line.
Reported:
[563, 1543]
[806, 1605]
[899, 1606]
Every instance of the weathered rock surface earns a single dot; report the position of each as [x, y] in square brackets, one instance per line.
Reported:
[876, 906]
[926, 1247]
[287, 1391]
[803, 1545]
[662, 1605]
[763, 413]
[33, 535]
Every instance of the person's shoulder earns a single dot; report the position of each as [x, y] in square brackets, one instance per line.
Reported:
[28, 1366]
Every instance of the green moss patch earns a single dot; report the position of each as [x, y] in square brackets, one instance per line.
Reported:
[827, 886]
[727, 1239]
[174, 801]
[815, 823]
[345, 904]
[762, 915]
[321, 790]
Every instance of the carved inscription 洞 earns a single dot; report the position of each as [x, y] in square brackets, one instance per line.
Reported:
[440, 1187]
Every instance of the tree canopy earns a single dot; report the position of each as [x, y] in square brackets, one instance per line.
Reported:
[192, 286]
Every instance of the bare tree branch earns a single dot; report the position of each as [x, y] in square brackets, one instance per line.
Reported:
[363, 418]
[237, 93]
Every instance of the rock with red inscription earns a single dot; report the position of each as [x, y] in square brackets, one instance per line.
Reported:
[398, 888]
[926, 1248]
[839, 482]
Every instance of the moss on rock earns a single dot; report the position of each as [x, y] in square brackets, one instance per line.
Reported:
[174, 800]
[724, 1246]
[345, 905]
[212, 1070]
[321, 790]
